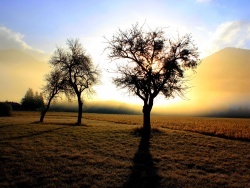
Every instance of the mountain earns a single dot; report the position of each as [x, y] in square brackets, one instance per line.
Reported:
[15, 56]
[222, 80]
[19, 71]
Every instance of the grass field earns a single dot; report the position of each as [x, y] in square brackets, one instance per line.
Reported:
[233, 128]
[106, 152]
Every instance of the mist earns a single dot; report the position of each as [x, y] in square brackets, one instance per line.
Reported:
[219, 88]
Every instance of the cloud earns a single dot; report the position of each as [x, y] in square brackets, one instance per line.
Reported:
[231, 34]
[10, 39]
[13, 40]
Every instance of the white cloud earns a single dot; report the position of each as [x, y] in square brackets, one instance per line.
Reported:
[10, 39]
[13, 40]
[229, 34]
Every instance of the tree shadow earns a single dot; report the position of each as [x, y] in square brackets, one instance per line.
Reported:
[5, 126]
[144, 173]
[60, 123]
[33, 134]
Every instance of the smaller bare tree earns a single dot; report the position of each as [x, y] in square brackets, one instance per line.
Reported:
[78, 71]
[55, 84]
[155, 64]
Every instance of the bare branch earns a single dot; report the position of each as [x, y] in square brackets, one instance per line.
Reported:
[156, 64]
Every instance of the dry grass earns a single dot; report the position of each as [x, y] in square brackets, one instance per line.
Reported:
[234, 128]
[106, 154]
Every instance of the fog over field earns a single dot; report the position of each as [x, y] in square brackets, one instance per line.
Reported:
[219, 87]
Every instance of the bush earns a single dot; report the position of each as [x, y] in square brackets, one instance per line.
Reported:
[5, 109]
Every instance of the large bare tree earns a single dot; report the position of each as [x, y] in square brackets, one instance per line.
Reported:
[155, 64]
[78, 71]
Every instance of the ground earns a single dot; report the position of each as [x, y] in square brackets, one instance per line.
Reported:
[110, 154]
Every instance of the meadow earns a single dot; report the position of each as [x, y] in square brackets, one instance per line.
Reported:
[106, 152]
[231, 128]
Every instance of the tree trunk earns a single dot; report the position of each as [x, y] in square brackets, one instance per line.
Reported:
[42, 115]
[79, 119]
[45, 110]
[146, 121]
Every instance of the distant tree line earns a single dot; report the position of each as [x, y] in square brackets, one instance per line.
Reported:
[236, 112]
[14, 105]
[32, 101]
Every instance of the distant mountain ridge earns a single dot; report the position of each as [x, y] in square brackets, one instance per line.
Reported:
[223, 79]
[231, 56]
[13, 56]
[19, 71]
[231, 64]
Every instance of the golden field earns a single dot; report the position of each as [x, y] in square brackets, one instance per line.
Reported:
[106, 152]
[234, 128]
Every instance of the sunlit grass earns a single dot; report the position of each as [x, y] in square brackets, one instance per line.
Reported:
[102, 154]
[234, 128]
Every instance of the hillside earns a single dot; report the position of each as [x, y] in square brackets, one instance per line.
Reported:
[226, 71]
[15, 56]
[222, 81]
[18, 72]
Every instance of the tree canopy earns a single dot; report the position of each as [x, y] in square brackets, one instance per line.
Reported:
[155, 64]
[77, 70]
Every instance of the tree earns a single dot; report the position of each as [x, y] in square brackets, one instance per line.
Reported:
[78, 71]
[55, 84]
[28, 100]
[38, 100]
[155, 64]
[32, 101]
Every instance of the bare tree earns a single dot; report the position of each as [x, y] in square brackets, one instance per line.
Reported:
[55, 84]
[78, 71]
[155, 64]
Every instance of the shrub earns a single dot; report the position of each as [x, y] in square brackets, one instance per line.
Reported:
[5, 109]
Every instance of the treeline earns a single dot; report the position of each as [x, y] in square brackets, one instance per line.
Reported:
[236, 112]
[32, 101]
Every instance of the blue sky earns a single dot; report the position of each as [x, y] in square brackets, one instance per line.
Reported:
[38, 26]
[44, 24]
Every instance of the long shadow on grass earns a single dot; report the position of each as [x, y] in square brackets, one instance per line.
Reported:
[4, 126]
[61, 123]
[144, 173]
[32, 134]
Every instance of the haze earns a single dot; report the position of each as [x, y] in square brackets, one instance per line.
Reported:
[31, 30]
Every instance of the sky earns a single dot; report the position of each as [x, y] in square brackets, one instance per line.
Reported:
[38, 27]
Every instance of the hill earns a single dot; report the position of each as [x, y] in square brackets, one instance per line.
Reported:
[15, 56]
[19, 71]
[226, 71]
[222, 82]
